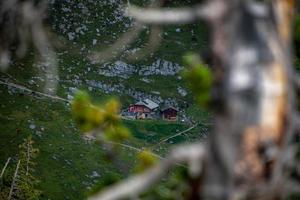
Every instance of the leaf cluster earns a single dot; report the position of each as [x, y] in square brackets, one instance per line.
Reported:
[104, 118]
[146, 159]
[199, 78]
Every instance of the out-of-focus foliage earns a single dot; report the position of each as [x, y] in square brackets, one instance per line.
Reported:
[146, 159]
[86, 115]
[199, 78]
[117, 133]
[104, 118]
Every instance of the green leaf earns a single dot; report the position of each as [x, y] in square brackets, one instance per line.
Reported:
[146, 159]
[199, 78]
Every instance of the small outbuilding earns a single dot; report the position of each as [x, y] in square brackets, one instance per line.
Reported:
[169, 113]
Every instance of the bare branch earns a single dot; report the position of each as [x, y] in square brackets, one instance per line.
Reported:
[23, 22]
[126, 39]
[154, 42]
[27, 157]
[118, 47]
[41, 43]
[257, 9]
[14, 180]
[208, 11]
[135, 185]
[163, 16]
[3, 170]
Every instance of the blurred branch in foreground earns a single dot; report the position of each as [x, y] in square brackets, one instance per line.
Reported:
[22, 24]
[135, 185]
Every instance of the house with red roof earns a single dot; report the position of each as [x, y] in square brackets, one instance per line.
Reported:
[143, 109]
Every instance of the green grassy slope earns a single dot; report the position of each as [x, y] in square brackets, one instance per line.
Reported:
[66, 162]
[67, 165]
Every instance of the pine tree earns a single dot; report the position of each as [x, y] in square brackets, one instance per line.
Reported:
[24, 182]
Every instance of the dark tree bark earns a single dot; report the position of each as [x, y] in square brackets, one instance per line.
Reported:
[251, 46]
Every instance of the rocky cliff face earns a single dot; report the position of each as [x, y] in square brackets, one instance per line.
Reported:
[95, 25]
[124, 70]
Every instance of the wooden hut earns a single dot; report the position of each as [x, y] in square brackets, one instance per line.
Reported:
[142, 109]
[169, 113]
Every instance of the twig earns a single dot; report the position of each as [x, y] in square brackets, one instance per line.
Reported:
[154, 42]
[135, 185]
[4, 168]
[27, 159]
[118, 47]
[208, 11]
[13, 181]
[41, 43]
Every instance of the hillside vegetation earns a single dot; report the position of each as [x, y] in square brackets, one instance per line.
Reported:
[69, 166]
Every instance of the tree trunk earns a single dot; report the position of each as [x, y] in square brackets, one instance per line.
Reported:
[252, 67]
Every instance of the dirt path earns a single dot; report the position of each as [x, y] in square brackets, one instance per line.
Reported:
[36, 94]
[32, 92]
[175, 135]
[139, 150]
[134, 148]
